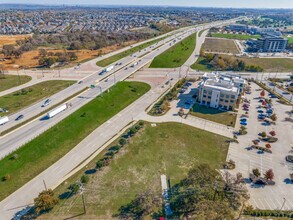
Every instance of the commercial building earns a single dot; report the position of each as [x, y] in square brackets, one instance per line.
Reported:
[220, 90]
[270, 43]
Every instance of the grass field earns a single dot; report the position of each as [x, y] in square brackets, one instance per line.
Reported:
[290, 40]
[46, 149]
[177, 55]
[220, 45]
[215, 115]
[114, 58]
[234, 36]
[31, 58]
[10, 81]
[168, 148]
[268, 64]
[200, 65]
[26, 97]
[11, 39]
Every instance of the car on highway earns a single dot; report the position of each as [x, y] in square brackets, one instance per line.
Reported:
[47, 102]
[80, 82]
[19, 117]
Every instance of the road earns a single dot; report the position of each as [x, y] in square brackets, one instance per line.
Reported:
[12, 141]
[56, 174]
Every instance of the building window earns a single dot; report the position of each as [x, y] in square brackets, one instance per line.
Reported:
[222, 100]
[222, 95]
[203, 102]
[227, 101]
[210, 92]
[220, 106]
[209, 97]
[204, 91]
[208, 103]
[204, 96]
[232, 96]
[227, 96]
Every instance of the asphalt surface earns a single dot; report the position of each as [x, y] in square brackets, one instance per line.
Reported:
[56, 174]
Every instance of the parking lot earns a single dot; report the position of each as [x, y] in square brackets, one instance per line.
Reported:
[280, 195]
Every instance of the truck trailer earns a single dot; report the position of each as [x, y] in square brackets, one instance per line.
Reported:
[56, 111]
[3, 120]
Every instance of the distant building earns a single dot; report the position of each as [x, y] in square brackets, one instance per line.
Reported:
[220, 90]
[238, 27]
[270, 43]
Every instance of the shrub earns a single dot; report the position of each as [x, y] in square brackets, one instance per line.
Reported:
[99, 164]
[141, 123]
[6, 177]
[84, 179]
[122, 141]
[45, 201]
[263, 134]
[74, 188]
[256, 172]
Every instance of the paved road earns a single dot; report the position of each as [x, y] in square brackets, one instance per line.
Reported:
[55, 174]
[24, 134]
[17, 138]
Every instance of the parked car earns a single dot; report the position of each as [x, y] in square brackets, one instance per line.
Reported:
[243, 119]
[243, 122]
[289, 158]
[260, 111]
[19, 117]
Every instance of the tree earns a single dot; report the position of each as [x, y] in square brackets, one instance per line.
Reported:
[75, 46]
[8, 50]
[143, 205]
[45, 201]
[263, 134]
[256, 172]
[274, 117]
[42, 52]
[47, 61]
[262, 93]
[202, 52]
[269, 174]
[213, 210]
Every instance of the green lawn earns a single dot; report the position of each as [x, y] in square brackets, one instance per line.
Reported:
[268, 64]
[290, 40]
[177, 55]
[46, 149]
[10, 81]
[168, 148]
[119, 56]
[27, 96]
[235, 36]
[201, 65]
[215, 115]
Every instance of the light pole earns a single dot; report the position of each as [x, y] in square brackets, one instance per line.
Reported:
[283, 203]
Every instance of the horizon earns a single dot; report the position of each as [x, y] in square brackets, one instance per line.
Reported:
[262, 4]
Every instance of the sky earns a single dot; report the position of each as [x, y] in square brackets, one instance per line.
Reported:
[199, 3]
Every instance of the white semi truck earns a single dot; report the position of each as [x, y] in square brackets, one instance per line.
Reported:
[56, 111]
[3, 120]
[109, 68]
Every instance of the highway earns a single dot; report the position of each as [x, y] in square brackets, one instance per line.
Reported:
[17, 138]
[57, 173]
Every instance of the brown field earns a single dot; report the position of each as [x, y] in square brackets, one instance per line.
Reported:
[11, 39]
[220, 46]
[30, 59]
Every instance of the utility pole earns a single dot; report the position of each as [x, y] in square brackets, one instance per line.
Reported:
[45, 185]
[83, 203]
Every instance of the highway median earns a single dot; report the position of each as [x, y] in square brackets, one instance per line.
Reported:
[34, 157]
